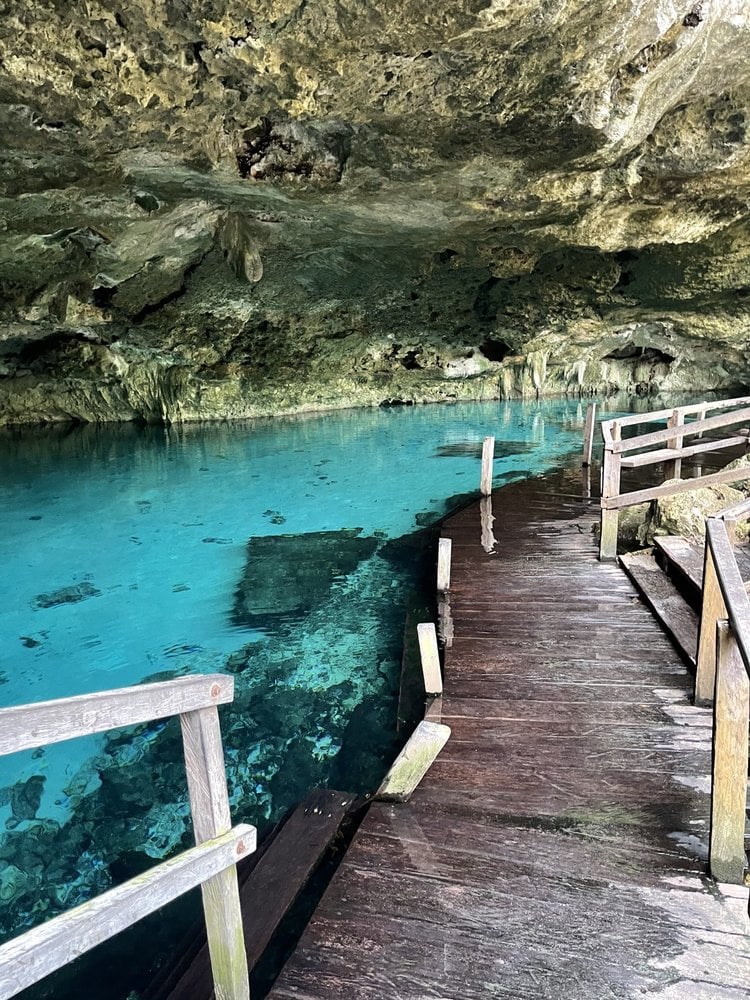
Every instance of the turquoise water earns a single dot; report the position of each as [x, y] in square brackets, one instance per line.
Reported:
[126, 558]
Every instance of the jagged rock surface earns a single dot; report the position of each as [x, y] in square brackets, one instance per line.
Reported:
[224, 209]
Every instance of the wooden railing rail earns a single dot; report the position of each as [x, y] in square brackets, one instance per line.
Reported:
[723, 677]
[700, 409]
[671, 450]
[211, 863]
[667, 434]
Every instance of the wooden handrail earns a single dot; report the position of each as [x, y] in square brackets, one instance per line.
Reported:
[24, 727]
[211, 864]
[656, 415]
[730, 583]
[671, 452]
[686, 430]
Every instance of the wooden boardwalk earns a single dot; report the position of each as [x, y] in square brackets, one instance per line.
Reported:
[556, 850]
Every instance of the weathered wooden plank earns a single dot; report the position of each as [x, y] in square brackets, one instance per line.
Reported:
[209, 804]
[466, 839]
[38, 952]
[414, 761]
[605, 709]
[727, 857]
[668, 604]
[27, 726]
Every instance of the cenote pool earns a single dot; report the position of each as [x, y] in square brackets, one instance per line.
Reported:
[137, 553]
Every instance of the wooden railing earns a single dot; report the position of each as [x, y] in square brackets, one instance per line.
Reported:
[722, 669]
[665, 446]
[211, 864]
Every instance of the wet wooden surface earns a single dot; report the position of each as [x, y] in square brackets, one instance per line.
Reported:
[556, 849]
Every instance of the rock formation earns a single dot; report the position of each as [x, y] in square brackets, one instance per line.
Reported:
[231, 208]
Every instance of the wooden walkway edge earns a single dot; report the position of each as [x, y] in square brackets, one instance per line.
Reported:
[556, 849]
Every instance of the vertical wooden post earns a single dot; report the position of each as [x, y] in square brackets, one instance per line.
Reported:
[588, 434]
[726, 855]
[430, 657]
[673, 468]
[610, 488]
[445, 548]
[712, 610]
[701, 416]
[209, 802]
[488, 455]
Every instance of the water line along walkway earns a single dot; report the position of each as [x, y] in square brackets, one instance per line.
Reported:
[556, 850]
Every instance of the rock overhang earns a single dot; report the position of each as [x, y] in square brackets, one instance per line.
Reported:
[257, 209]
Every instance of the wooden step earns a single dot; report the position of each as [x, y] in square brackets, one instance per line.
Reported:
[676, 616]
[684, 560]
[267, 890]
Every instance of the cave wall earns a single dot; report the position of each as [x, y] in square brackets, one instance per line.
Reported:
[227, 209]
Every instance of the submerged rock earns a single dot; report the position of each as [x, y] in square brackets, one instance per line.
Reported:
[288, 575]
[67, 595]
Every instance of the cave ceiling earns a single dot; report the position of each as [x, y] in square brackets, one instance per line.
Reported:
[222, 209]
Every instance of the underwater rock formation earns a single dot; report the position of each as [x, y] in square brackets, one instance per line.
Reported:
[227, 209]
[287, 576]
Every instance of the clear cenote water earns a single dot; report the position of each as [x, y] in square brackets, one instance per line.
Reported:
[135, 553]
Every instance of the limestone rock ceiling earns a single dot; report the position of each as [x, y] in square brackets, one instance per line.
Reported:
[224, 208]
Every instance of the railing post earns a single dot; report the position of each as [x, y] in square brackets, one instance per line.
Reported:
[209, 803]
[727, 857]
[610, 488]
[488, 455]
[588, 434]
[445, 547]
[712, 610]
[673, 468]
